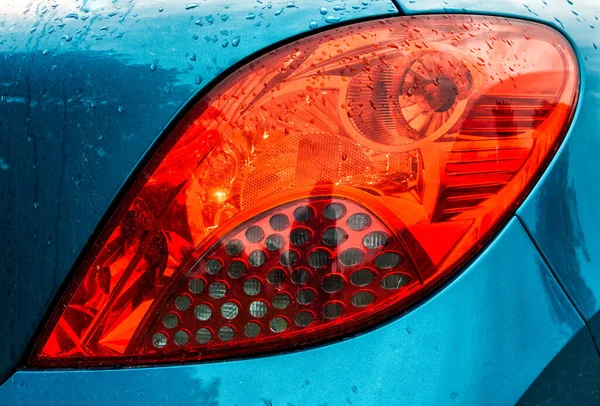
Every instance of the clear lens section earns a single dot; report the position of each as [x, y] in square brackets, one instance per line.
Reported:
[319, 189]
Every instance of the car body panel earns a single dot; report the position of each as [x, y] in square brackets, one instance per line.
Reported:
[561, 213]
[79, 107]
[85, 89]
[492, 330]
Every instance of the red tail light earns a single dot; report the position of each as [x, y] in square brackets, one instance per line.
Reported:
[320, 189]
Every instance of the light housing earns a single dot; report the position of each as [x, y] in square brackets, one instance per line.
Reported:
[320, 189]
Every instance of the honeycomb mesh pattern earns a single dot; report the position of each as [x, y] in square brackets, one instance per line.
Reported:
[304, 160]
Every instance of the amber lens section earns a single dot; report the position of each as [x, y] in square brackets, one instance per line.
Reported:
[319, 189]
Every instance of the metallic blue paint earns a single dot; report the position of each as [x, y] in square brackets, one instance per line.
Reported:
[483, 339]
[562, 212]
[85, 88]
[80, 105]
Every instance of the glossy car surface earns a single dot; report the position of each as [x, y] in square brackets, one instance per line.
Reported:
[86, 89]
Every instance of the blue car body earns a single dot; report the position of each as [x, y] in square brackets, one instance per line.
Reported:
[86, 89]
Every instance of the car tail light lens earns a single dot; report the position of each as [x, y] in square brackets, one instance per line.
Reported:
[319, 189]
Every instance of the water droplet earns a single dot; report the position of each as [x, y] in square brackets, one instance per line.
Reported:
[332, 19]
[120, 108]
[193, 58]
[210, 19]
[73, 16]
[323, 10]
[160, 9]
[36, 205]
[153, 67]
[251, 16]
[46, 52]
[338, 7]
[191, 6]
[313, 25]
[224, 43]
[235, 42]
[224, 17]
[198, 79]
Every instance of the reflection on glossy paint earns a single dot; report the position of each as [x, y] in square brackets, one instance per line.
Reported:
[79, 106]
[567, 249]
[478, 338]
[562, 211]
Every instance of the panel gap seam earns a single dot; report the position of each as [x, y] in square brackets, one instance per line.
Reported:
[399, 7]
[555, 275]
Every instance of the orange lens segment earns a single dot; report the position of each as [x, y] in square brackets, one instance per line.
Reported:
[320, 189]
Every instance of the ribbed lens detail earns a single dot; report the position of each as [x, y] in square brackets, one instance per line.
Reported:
[236, 269]
[319, 258]
[401, 146]
[234, 248]
[374, 240]
[300, 236]
[358, 221]
[255, 234]
[279, 222]
[334, 236]
[303, 213]
[274, 242]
